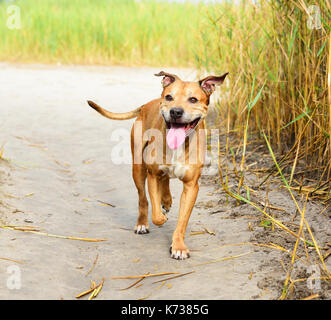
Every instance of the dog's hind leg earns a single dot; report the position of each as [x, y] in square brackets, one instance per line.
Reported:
[166, 198]
[154, 191]
[139, 173]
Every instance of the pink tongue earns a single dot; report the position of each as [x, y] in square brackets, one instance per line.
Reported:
[175, 137]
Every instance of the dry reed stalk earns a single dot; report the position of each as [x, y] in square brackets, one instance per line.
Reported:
[51, 235]
[2, 150]
[106, 203]
[270, 245]
[197, 233]
[222, 259]
[144, 275]
[300, 230]
[311, 297]
[134, 283]
[85, 293]
[174, 277]
[93, 265]
[144, 298]
[96, 291]
[12, 260]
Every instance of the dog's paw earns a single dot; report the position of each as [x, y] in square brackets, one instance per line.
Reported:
[179, 254]
[164, 210]
[141, 229]
[160, 219]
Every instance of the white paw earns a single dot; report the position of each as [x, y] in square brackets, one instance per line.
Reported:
[141, 229]
[179, 254]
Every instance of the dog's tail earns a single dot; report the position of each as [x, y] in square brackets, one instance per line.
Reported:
[112, 115]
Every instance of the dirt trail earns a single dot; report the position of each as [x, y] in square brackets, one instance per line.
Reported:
[57, 174]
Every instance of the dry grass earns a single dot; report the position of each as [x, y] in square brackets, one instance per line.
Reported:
[279, 96]
[35, 230]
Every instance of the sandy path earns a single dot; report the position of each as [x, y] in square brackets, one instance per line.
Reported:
[60, 166]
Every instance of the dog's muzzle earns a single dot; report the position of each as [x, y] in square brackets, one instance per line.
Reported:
[178, 131]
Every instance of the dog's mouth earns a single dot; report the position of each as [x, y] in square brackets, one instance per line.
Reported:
[177, 132]
[188, 127]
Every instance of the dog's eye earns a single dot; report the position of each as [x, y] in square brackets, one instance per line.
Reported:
[168, 97]
[193, 100]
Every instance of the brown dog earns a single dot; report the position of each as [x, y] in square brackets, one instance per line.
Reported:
[166, 138]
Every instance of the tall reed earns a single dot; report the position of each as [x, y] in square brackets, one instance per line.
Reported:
[273, 45]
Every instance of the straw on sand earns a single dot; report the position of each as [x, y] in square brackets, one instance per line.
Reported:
[1, 150]
[223, 259]
[12, 260]
[95, 289]
[135, 283]
[174, 277]
[144, 275]
[93, 265]
[30, 229]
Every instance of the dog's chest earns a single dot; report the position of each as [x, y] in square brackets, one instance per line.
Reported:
[175, 168]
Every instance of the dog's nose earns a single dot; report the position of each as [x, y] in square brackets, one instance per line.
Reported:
[176, 113]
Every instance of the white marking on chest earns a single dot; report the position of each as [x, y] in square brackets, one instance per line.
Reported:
[176, 168]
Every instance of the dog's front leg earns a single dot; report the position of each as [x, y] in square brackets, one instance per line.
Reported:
[178, 249]
[155, 194]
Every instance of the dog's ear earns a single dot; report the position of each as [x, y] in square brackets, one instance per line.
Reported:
[208, 84]
[168, 78]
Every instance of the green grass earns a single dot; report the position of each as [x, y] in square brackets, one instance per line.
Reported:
[103, 32]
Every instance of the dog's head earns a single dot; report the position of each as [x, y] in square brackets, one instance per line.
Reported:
[184, 104]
